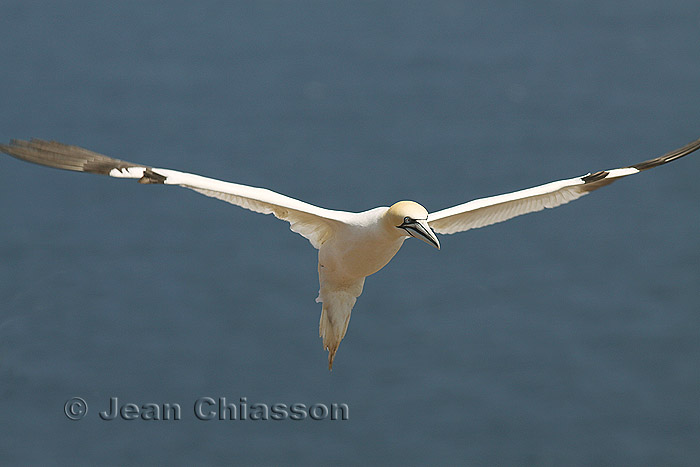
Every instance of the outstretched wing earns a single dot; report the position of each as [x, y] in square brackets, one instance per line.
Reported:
[487, 211]
[314, 223]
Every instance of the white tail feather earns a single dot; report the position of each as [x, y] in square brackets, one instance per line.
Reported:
[335, 315]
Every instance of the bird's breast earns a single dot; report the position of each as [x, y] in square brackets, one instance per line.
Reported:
[357, 254]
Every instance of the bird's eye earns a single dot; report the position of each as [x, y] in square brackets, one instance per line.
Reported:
[407, 220]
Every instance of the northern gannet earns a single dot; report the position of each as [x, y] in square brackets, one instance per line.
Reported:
[351, 246]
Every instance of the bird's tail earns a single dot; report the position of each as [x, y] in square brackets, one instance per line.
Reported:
[335, 316]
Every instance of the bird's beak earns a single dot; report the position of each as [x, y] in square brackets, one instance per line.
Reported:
[420, 229]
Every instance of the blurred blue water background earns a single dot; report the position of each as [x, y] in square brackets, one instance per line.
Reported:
[568, 337]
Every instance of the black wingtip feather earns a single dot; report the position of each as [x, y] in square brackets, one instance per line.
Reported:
[63, 156]
[590, 178]
[669, 156]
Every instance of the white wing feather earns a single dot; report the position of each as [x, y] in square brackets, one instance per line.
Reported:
[487, 211]
[314, 223]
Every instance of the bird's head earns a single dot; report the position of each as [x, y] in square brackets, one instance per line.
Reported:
[412, 220]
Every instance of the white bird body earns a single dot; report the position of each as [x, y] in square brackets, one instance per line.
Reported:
[351, 246]
[359, 247]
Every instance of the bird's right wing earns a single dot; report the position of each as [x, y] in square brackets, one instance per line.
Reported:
[312, 222]
[487, 211]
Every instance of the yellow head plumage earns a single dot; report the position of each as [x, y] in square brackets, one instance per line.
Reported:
[408, 218]
[399, 211]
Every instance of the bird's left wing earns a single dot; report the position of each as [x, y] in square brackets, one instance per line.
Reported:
[314, 223]
[487, 211]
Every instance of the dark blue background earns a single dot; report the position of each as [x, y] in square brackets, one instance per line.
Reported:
[564, 337]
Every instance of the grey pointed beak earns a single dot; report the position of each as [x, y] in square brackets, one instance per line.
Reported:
[420, 229]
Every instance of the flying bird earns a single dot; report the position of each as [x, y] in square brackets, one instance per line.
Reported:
[351, 246]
